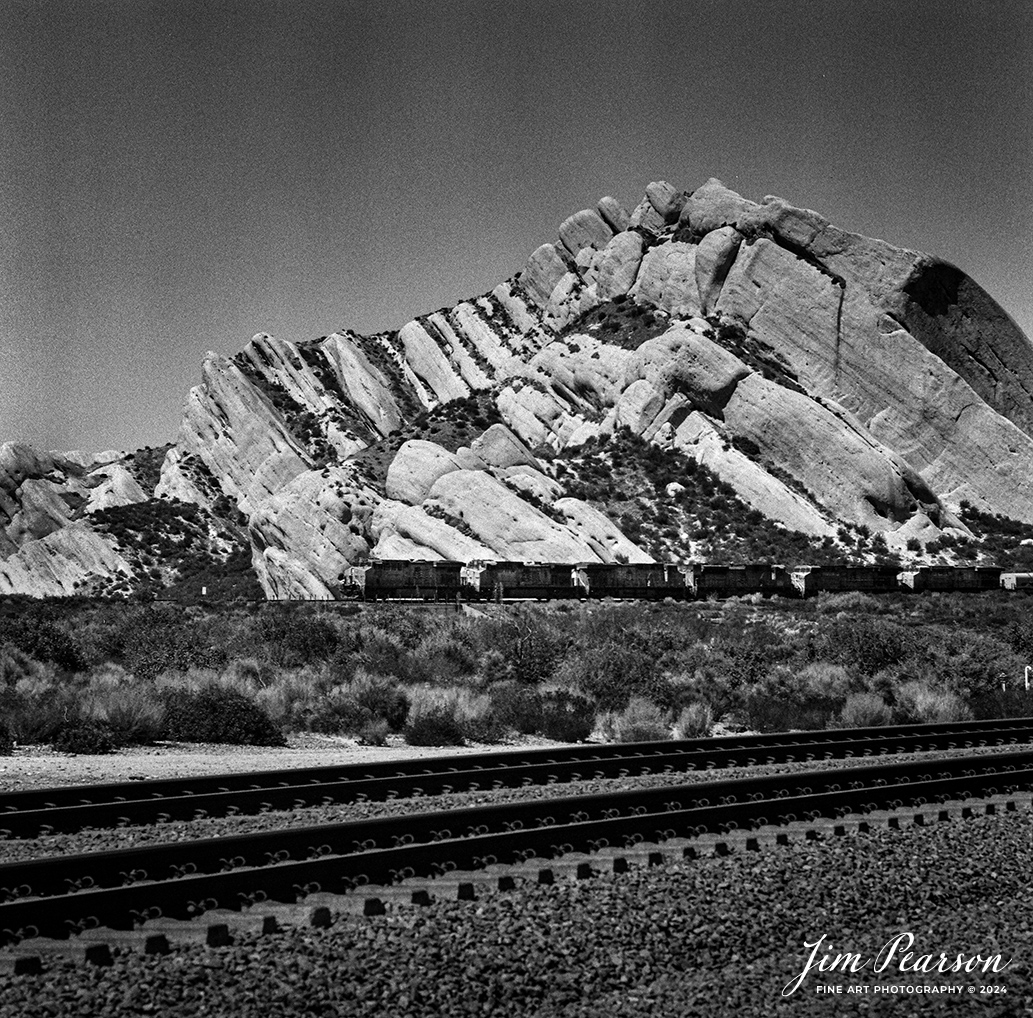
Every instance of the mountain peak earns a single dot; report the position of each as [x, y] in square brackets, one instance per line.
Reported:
[752, 380]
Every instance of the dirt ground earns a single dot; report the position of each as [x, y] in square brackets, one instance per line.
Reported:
[41, 767]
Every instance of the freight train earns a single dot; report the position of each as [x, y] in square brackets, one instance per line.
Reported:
[399, 579]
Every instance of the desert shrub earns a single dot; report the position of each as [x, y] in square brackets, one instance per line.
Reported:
[291, 698]
[823, 681]
[865, 642]
[132, 712]
[831, 603]
[964, 662]
[381, 696]
[338, 713]
[214, 714]
[606, 725]
[533, 645]
[784, 699]
[246, 673]
[1013, 701]
[294, 639]
[642, 721]
[16, 665]
[567, 716]
[695, 721]
[441, 657]
[381, 653]
[87, 737]
[921, 703]
[864, 710]
[609, 675]
[517, 707]
[478, 718]
[161, 638]
[767, 711]
[37, 710]
[42, 640]
[374, 733]
[493, 667]
[434, 720]
[709, 683]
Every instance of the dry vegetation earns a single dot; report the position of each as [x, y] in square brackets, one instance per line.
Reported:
[96, 676]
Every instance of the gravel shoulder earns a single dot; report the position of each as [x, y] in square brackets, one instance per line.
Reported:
[41, 767]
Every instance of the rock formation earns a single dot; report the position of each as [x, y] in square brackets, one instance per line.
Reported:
[825, 379]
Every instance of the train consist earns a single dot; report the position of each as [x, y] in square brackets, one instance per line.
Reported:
[398, 579]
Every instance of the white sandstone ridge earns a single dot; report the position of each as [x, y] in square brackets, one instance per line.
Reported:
[874, 417]
[47, 547]
[464, 506]
[826, 377]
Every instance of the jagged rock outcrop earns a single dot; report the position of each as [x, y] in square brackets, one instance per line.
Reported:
[827, 378]
[66, 561]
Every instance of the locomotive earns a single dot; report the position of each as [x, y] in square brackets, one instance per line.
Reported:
[401, 579]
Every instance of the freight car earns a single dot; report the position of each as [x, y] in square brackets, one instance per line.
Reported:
[542, 581]
[1017, 581]
[642, 581]
[402, 580]
[732, 581]
[810, 580]
[948, 579]
[398, 579]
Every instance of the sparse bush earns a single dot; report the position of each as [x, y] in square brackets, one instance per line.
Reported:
[246, 674]
[609, 675]
[642, 721]
[381, 696]
[214, 714]
[37, 711]
[374, 733]
[1013, 701]
[132, 713]
[338, 713]
[292, 698]
[695, 721]
[16, 665]
[442, 657]
[920, 703]
[517, 707]
[864, 710]
[86, 737]
[830, 603]
[782, 700]
[434, 720]
[494, 667]
[606, 725]
[868, 643]
[567, 716]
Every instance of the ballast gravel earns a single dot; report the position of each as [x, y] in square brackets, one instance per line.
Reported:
[708, 937]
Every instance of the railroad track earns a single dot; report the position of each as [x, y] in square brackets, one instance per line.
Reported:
[130, 889]
[29, 814]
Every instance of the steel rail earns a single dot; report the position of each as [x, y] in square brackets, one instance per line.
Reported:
[56, 875]
[29, 814]
[191, 895]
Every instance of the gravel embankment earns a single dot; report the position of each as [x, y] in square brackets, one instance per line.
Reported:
[713, 937]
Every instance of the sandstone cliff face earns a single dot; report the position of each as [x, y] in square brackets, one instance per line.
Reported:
[826, 378]
[889, 401]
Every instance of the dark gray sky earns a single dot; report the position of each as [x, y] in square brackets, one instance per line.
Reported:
[176, 176]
